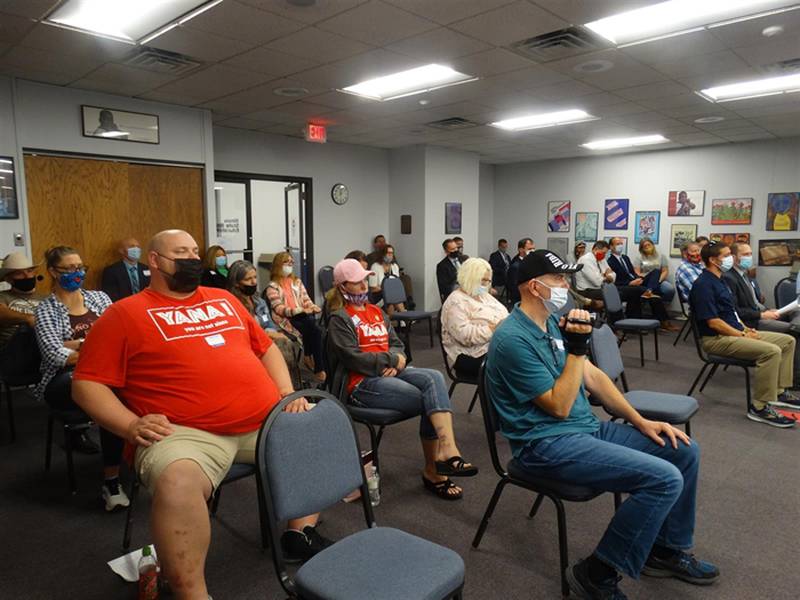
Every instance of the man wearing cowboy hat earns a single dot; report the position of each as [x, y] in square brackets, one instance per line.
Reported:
[17, 304]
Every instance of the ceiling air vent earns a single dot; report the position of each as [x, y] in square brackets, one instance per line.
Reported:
[785, 67]
[556, 45]
[452, 123]
[162, 61]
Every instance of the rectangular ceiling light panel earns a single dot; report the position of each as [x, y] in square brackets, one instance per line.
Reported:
[611, 144]
[408, 83]
[131, 21]
[676, 17]
[562, 117]
[755, 88]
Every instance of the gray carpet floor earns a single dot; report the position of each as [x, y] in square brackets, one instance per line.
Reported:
[55, 546]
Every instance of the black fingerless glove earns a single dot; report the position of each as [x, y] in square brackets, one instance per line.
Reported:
[576, 343]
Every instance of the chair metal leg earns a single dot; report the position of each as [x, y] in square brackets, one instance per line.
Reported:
[688, 332]
[617, 501]
[474, 399]
[641, 348]
[430, 330]
[489, 510]
[73, 488]
[563, 549]
[747, 387]
[374, 440]
[681, 333]
[708, 377]
[655, 341]
[48, 451]
[688, 427]
[452, 387]
[536, 504]
[408, 340]
[215, 500]
[126, 536]
[697, 379]
[12, 428]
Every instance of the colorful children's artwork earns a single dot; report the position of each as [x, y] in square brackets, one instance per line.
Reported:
[648, 224]
[616, 213]
[782, 211]
[558, 216]
[679, 234]
[730, 238]
[586, 226]
[731, 211]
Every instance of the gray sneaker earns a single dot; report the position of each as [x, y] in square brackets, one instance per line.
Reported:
[768, 416]
[787, 400]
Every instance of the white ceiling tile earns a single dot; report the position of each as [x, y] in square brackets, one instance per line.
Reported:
[123, 80]
[712, 79]
[509, 23]
[687, 99]
[304, 110]
[34, 9]
[447, 11]
[529, 78]
[702, 65]
[748, 137]
[250, 100]
[784, 47]
[625, 73]
[591, 101]
[438, 46]
[564, 91]
[199, 44]
[320, 10]
[580, 12]
[767, 111]
[695, 139]
[74, 43]
[374, 63]
[652, 90]
[52, 77]
[13, 28]
[244, 23]
[688, 113]
[748, 33]
[271, 62]
[65, 65]
[616, 110]
[170, 98]
[215, 81]
[675, 48]
[490, 62]
[376, 23]
[315, 44]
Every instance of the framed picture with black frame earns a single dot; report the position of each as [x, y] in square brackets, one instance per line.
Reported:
[9, 208]
[119, 125]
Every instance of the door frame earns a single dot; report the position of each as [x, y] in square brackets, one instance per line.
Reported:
[308, 182]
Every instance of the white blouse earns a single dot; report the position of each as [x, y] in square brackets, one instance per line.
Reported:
[377, 280]
[465, 323]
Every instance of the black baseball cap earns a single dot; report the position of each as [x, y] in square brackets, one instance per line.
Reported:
[542, 262]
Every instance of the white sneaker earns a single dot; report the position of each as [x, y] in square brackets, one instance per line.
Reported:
[114, 501]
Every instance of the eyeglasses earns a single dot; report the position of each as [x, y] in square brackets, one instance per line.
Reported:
[71, 269]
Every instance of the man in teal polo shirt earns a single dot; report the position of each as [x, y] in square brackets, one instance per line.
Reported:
[537, 376]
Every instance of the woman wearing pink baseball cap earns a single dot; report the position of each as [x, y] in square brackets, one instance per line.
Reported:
[374, 365]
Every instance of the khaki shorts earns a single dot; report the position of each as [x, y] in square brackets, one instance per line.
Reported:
[214, 453]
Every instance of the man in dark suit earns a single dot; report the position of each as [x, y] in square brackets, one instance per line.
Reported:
[447, 269]
[460, 246]
[500, 261]
[524, 247]
[128, 276]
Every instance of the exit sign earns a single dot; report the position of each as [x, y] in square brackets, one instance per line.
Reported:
[316, 133]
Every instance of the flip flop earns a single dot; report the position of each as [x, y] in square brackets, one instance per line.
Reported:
[455, 467]
[441, 489]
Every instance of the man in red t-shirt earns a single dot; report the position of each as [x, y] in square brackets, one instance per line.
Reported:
[186, 376]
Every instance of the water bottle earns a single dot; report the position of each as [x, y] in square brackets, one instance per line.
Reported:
[148, 575]
[373, 485]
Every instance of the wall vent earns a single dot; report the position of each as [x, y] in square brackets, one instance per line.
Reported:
[162, 61]
[452, 123]
[556, 45]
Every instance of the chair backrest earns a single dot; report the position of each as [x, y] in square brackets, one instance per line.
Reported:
[491, 420]
[20, 359]
[684, 309]
[325, 276]
[612, 301]
[696, 336]
[785, 292]
[394, 292]
[447, 367]
[605, 352]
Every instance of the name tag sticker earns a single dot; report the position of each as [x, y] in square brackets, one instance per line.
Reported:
[265, 318]
[146, 272]
[559, 344]
[215, 341]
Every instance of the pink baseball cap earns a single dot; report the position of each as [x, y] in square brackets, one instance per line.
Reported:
[349, 270]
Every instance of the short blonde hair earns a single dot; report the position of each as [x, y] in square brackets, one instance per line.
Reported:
[471, 273]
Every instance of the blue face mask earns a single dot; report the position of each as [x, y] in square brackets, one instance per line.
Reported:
[134, 253]
[71, 281]
[746, 262]
[726, 264]
[221, 261]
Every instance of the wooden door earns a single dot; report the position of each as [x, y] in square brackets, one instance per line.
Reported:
[92, 204]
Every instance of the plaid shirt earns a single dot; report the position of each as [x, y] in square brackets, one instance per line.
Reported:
[685, 276]
[53, 329]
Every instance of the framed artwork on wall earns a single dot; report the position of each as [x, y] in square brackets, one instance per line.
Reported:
[731, 211]
[782, 211]
[120, 125]
[615, 215]
[730, 238]
[452, 217]
[647, 225]
[686, 203]
[679, 234]
[558, 215]
[778, 253]
[586, 226]
[8, 189]
[559, 245]
[623, 238]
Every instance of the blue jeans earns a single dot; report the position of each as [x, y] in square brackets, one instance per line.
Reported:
[661, 481]
[412, 391]
[665, 289]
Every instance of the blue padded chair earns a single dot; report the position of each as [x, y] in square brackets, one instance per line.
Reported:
[395, 293]
[302, 479]
[557, 491]
[785, 291]
[674, 409]
[452, 373]
[618, 322]
[325, 276]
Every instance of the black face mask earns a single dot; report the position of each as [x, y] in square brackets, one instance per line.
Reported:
[454, 254]
[24, 285]
[248, 290]
[187, 275]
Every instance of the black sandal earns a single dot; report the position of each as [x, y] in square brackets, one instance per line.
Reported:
[455, 467]
[442, 489]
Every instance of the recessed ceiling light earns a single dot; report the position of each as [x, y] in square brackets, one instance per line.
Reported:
[5, 161]
[677, 17]
[611, 144]
[755, 88]
[562, 117]
[594, 66]
[407, 83]
[772, 31]
[129, 21]
[424, 102]
[6, 171]
[290, 92]
[709, 119]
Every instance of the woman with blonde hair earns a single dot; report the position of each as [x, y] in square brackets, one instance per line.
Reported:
[293, 311]
[653, 267]
[215, 272]
[469, 317]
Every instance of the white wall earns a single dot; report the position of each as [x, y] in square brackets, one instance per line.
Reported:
[523, 190]
[9, 147]
[487, 241]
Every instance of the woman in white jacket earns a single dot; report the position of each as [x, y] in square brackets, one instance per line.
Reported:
[469, 317]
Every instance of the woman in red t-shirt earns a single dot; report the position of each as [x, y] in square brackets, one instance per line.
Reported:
[377, 377]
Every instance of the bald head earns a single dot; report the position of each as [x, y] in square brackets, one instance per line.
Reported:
[168, 239]
[163, 249]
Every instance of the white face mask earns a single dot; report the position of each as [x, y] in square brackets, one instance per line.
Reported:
[482, 289]
[557, 300]
[618, 248]
[288, 270]
[727, 263]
